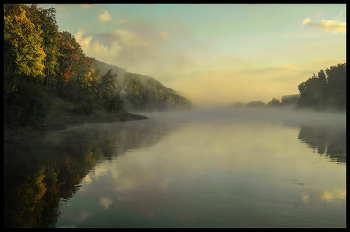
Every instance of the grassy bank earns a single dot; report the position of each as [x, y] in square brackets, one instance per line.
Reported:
[61, 116]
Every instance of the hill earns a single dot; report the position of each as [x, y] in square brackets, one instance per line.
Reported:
[141, 92]
[49, 81]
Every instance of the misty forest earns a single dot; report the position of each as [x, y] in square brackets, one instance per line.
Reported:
[78, 153]
[38, 59]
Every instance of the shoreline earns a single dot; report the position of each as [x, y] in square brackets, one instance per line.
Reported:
[62, 121]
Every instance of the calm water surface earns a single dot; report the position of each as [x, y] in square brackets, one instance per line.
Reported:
[222, 168]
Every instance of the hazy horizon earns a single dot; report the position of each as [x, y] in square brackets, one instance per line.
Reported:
[213, 54]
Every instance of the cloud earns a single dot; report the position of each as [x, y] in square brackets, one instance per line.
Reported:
[125, 38]
[306, 21]
[104, 17]
[121, 21]
[327, 25]
[84, 43]
[164, 36]
[95, 49]
[266, 70]
[332, 25]
[105, 202]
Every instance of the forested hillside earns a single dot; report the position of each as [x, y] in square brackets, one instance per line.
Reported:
[39, 59]
[141, 92]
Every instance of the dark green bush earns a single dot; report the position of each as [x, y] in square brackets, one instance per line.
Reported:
[27, 105]
[115, 104]
[86, 108]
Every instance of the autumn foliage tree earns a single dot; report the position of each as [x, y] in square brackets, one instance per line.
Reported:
[23, 68]
[38, 59]
[45, 19]
[23, 48]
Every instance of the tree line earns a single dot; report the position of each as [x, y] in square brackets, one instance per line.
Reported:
[38, 58]
[326, 91]
[286, 101]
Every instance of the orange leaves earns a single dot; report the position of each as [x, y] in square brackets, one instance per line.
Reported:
[87, 63]
[66, 75]
[67, 50]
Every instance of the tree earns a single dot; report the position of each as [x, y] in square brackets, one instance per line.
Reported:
[254, 104]
[290, 100]
[336, 80]
[237, 104]
[320, 92]
[310, 93]
[45, 19]
[23, 44]
[273, 103]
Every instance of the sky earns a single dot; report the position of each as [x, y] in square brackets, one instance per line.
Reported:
[213, 54]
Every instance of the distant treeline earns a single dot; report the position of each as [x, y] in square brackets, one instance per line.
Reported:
[39, 58]
[286, 101]
[327, 91]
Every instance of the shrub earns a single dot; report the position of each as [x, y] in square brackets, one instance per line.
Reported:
[86, 108]
[115, 104]
[27, 105]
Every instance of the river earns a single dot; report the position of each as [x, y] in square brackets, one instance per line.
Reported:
[200, 168]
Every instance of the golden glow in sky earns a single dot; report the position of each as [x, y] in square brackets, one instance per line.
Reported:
[213, 54]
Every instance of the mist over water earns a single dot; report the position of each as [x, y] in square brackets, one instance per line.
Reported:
[223, 114]
[210, 167]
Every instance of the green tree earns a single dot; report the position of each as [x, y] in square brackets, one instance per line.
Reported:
[311, 94]
[325, 92]
[336, 86]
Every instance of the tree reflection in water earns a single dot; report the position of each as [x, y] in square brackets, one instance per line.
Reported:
[329, 141]
[41, 172]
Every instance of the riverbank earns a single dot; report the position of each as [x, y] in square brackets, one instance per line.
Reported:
[61, 116]
[63, 120]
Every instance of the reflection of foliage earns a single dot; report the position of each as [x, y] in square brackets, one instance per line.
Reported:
[326, 140]
[38, 175]
[32, 200]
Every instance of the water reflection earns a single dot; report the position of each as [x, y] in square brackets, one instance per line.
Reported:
[329, 141]
[325, 195]
[40, 172]
[161, 173]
